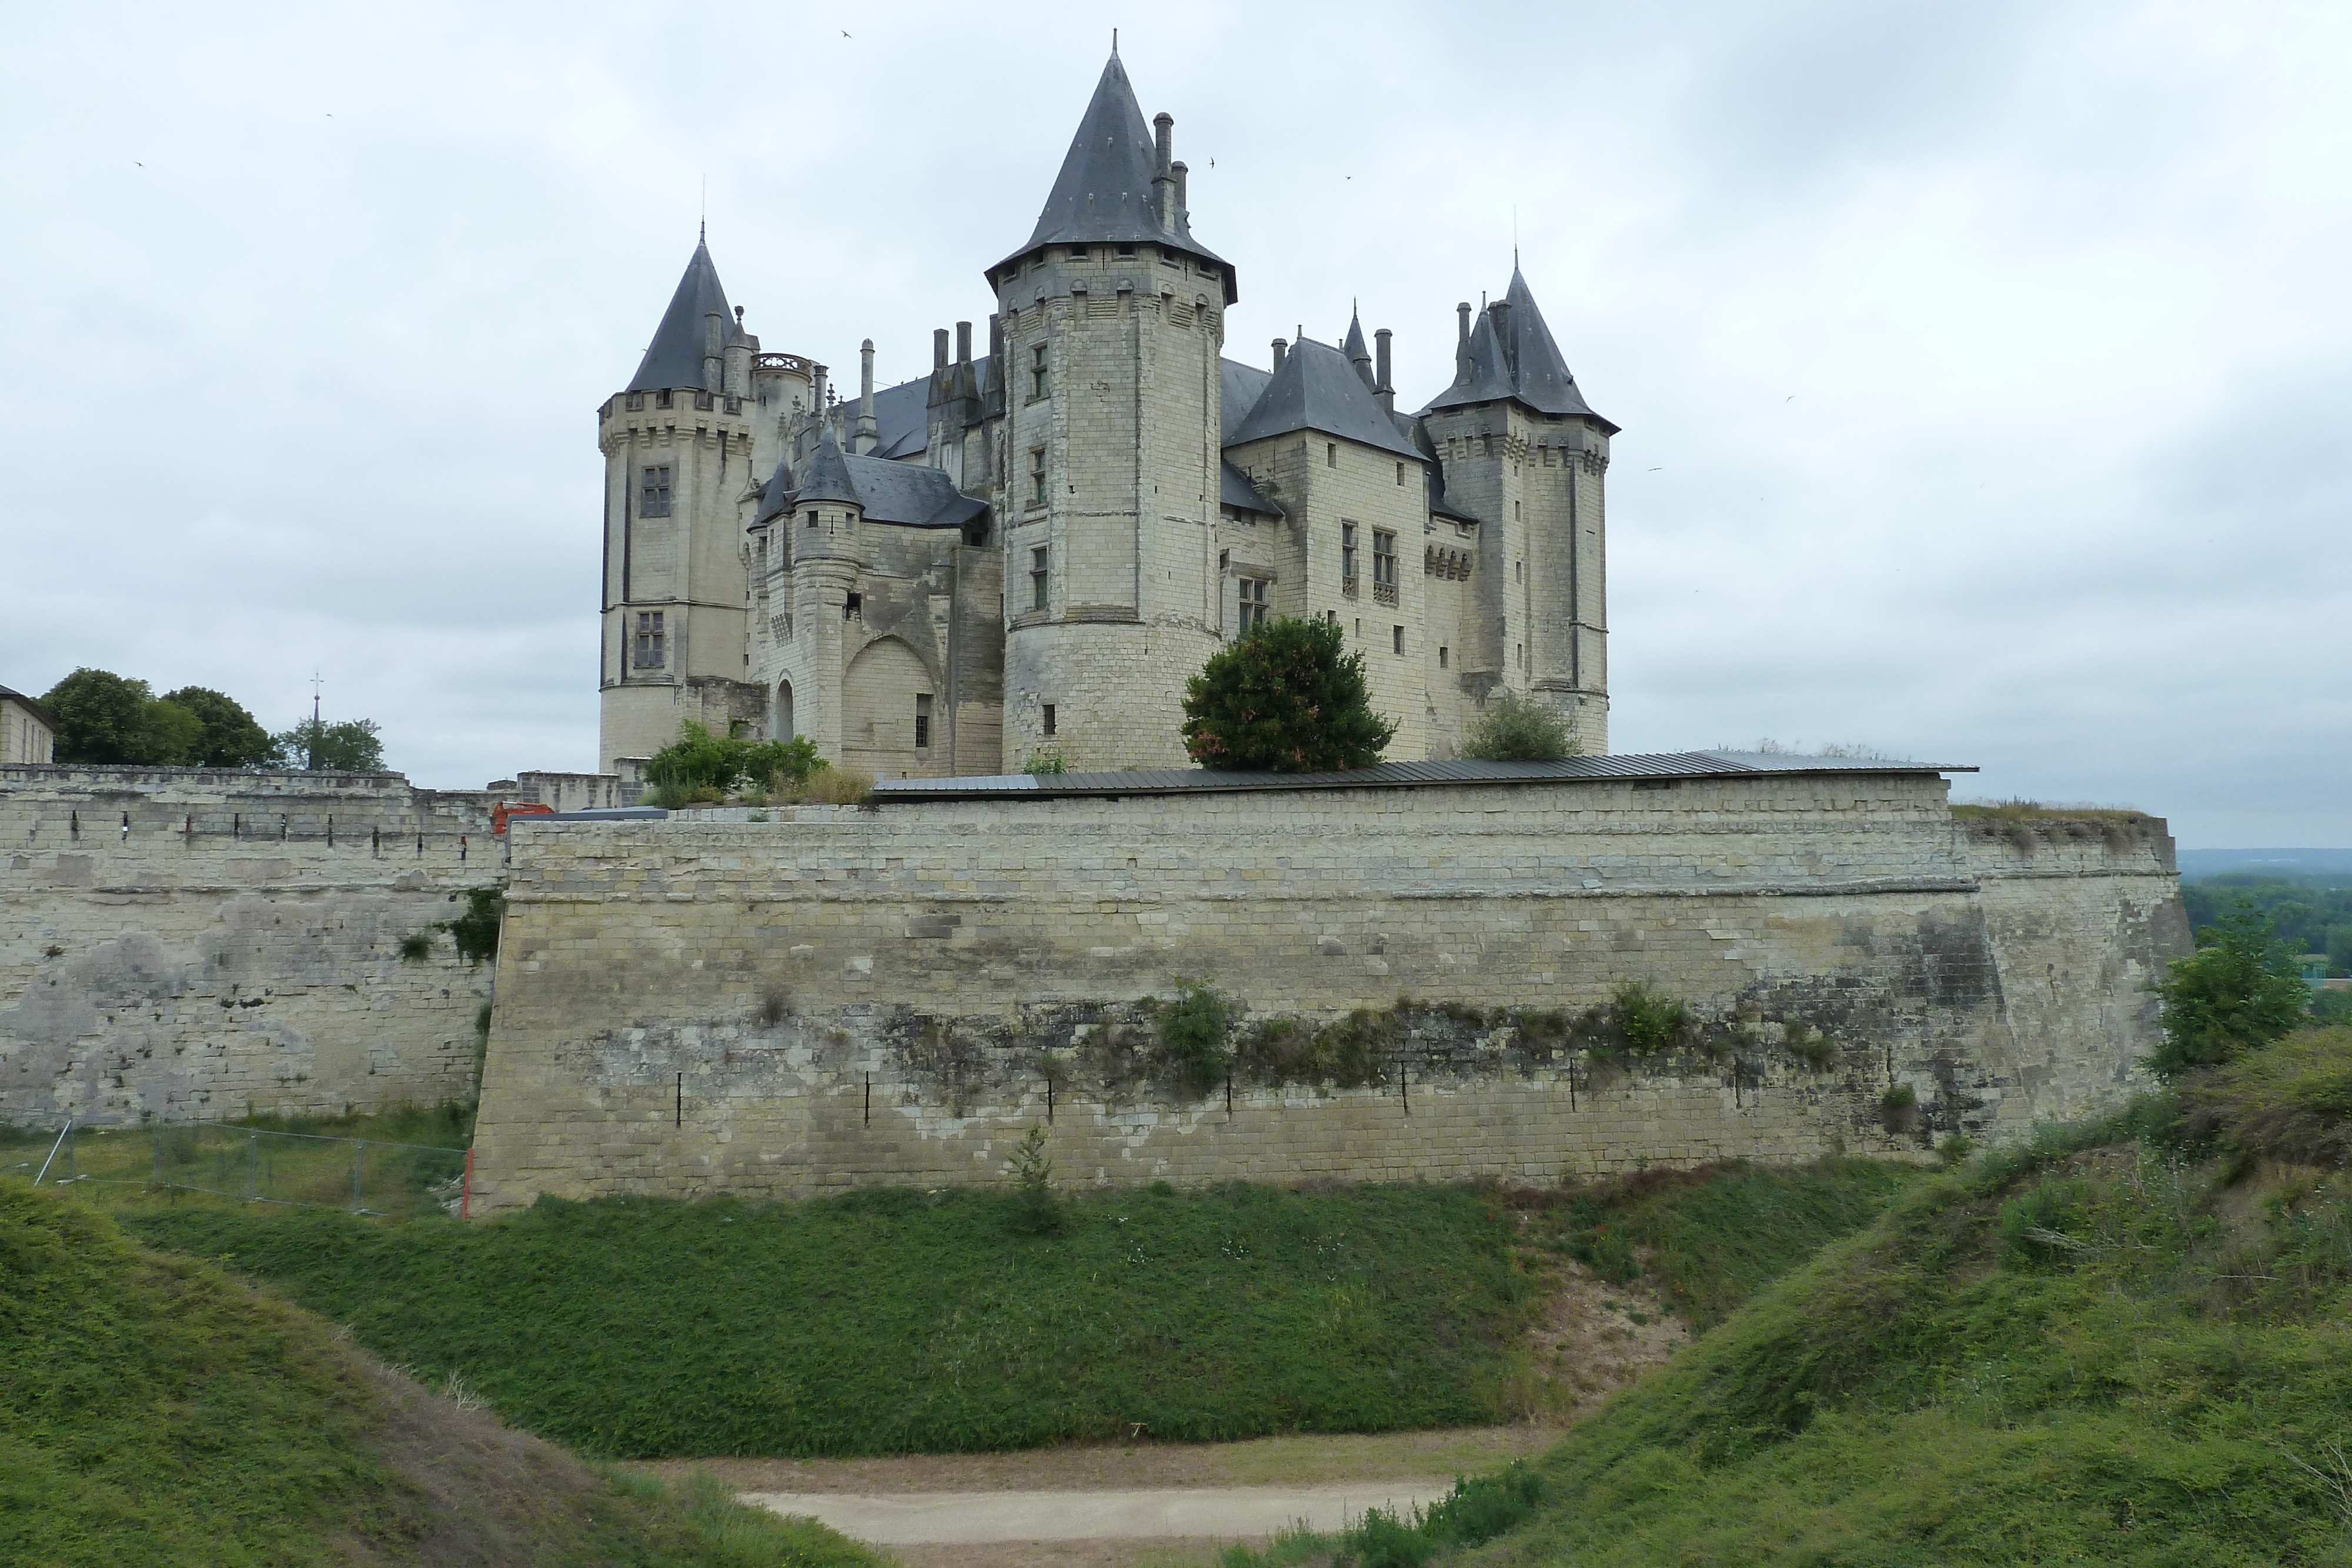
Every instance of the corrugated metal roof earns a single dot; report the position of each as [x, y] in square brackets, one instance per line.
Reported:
[1668, 765]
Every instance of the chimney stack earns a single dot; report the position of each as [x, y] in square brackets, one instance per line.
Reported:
[938, 348]
[1164, 123]
[964, 343]
[867, 440]
[1164, 182]
[1281, 352]
[1382, 387]
[1181, 219]
[1462, 343]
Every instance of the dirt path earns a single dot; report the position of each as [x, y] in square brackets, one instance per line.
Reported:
[1194, 1515]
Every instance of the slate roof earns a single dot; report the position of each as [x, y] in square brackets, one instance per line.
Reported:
[909, 494]
[1518, 360]
[674, 359]
[1239, 386]
[1104, 191]
[1235, 490]
[10, 693]
[1316, 389]
[1394, 775]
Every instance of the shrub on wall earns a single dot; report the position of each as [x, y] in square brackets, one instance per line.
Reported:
[1514, 728]
[1286, 696]
[1193, 1053]
[701, 767]
[476, 932]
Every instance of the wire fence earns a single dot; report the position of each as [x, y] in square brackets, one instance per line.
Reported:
[248, 1164]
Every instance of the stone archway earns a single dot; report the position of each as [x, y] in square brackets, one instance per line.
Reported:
[888, 689]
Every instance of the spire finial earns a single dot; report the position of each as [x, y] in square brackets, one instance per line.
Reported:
[1114, 43]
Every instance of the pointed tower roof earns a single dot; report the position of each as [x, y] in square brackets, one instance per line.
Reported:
[1518, 360]
[674, 359]
[1104, 193]
[1318, 389]
[1355, 347]
[828, 478]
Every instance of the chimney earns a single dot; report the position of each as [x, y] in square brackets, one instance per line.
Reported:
[714, 351]
[1183, 218]
[817, 389]
[1382, 387]
[1281, 352]
[1164, 182]
[996, 364]
[1462, 343]
[867, 440]
[1501, 311]
[964, 343]
[938, 348]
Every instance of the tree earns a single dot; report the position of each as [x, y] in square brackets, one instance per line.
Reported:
[2239, 990]
[101, 718]
[318, 746]
[230, 737]
[1284, 698]
[1514, 728]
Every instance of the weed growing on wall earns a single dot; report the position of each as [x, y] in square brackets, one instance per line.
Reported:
[476, 932]
[1192, 1054]
[1046, 761]
[1514, 728]
[1648, 1021]
[416, 948]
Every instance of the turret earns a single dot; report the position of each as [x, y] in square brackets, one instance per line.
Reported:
[1112, 320]
[1527, 456]
[681, 444]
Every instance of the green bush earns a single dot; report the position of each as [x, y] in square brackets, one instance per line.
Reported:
[1649, 1022]
[476, 932]
[2239, 990]
[700, 766]
[1193, 1053]
[106, 719]
[2291, 1101]
[1046, 762]
[1511, 728]
[1036, 1208]
[1286, 696]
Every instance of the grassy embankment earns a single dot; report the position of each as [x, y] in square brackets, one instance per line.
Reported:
[899, 1322]
[156, 1413]
[2126, 1344]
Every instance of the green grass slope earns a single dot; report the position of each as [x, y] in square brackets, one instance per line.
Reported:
[2126, 1344]
[894, 1322]
[156, 1412]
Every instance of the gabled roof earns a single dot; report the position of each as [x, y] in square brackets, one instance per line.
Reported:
[31, 705]
[1104, 191]
[674, 359]
[1517, 360]
[1318, 389]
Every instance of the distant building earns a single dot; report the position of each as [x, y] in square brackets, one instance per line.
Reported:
[1035, 547]
[27, 733]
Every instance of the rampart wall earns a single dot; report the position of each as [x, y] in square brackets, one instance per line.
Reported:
[186, 943]
[831, 996]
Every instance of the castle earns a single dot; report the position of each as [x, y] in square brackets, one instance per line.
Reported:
[1033, 550]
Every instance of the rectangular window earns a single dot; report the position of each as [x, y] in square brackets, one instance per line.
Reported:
[1253, 601]
[652, 499]
[1396, 638]
[1038, 563]
[1127, 251]
[1078, 253]
[650, 639]
[1442, 654]
[1346, 556]
[854, 604]
[1384, 566]
[1049, 719]
[1400, 472]
[1036, 475]
[922, 722]
[1330, 455]
[1038, 375]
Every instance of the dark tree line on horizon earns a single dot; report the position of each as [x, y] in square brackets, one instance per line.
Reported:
[110, 720]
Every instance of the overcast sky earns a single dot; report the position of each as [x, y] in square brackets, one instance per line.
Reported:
[1985, 369]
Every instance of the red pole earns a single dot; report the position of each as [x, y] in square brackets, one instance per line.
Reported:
[465, 1198]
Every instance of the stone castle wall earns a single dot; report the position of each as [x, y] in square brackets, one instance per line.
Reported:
[184, 942]
[832, 997]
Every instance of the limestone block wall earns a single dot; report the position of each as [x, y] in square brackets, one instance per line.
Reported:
[194, 944]
[836, 997]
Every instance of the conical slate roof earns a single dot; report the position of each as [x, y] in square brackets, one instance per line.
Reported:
[1104, 191]
[778, 495]
[1318, 389]
[674, 359]
[828, 478]
[1354, 346]
[1520, 359]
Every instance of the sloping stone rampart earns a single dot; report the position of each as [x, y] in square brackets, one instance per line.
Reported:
[191, 944]
[837, 997]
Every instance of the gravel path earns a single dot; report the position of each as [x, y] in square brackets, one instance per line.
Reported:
[910, 1518]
